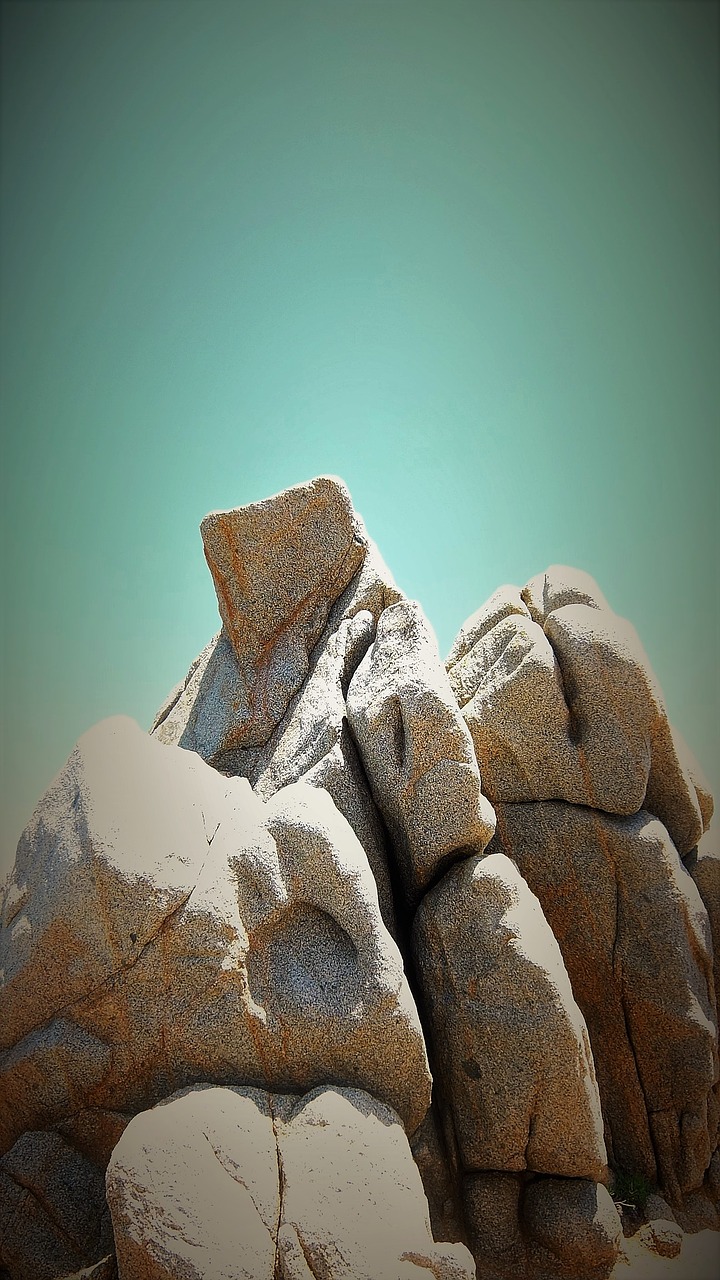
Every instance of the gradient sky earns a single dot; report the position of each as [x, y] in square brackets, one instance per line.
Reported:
[464, 255]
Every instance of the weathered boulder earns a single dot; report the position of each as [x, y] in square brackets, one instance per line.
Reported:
[313, 744]
[278, 566]
[562, 704]
[512, 1047]
[572, 1227]
[416, 750]
[221, 1184]
[353, 1202]
[53, 1214]
[703, 863]
[507, 680]
[164, 925]
[193, 1188]
[635, 939]
[661, 1236]
[287, 571]
[540, 1228]
[307, 737]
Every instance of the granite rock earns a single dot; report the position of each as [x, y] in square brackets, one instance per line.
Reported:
[540, 1228]
[416, 750]
[703, 864]
[512, 1046]
[278, 566]
[165, 925]
[233, 1183]
[53, 1214]
[210, 909]
[562, 704]
[636, 942]
[287, 572]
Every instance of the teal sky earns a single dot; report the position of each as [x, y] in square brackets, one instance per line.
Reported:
[464, 255]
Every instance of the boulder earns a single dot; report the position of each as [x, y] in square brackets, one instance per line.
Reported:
[278, 567]
[562, 704]
[510, 689]
[662, 1236]
[165, 925]
[541, 1228]
[572, 1227]
[221, 1184]
[309, 738]
[353, 1202]
[512, 1046]
[53, 1214]
[636, 942]
[416, 750]
[193, 1189]
[287, 572]
[313, 744]
[703, 864]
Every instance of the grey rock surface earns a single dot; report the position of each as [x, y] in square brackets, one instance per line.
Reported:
[53, 1213]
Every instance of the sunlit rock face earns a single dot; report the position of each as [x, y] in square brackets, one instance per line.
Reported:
[267, 1185]
[233, 949]
[175, 927]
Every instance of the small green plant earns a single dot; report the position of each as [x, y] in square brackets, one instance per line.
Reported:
[630, 1189]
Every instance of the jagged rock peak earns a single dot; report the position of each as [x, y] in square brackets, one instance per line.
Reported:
[278, 567]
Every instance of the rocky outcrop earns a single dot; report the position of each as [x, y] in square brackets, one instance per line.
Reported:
[239, 906]
[270, 1186]
[597, 798]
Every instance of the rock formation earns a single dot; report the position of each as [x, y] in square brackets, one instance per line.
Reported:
[234, 950]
